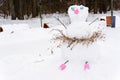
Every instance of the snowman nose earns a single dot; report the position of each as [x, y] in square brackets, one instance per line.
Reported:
[76, 11]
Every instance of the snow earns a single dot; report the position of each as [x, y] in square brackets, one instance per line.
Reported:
[26, 52]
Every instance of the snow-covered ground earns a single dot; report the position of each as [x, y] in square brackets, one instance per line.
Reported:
[28, 53]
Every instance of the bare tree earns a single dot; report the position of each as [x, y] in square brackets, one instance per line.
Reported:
[19, 8]
[12, 10]
[34, 8]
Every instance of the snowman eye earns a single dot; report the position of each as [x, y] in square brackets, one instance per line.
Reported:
[72, 8]
[81, 8]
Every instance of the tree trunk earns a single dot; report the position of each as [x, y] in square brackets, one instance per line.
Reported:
[20, 16]
[34, 8]
[11, 9]
[95, 6]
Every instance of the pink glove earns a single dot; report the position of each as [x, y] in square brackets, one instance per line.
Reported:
[86, 66]
[62, 66]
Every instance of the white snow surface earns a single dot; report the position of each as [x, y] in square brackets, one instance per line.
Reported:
[26, 52]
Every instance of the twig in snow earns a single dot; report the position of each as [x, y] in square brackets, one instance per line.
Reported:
[66, 62]
[93, 21]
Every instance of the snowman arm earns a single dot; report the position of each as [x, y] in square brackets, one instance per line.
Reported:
[93, 21]
[61, 22]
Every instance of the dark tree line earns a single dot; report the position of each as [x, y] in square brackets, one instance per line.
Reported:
[19, 8]
[32, 8]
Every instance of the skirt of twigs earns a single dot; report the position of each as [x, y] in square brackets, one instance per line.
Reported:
[98, 35]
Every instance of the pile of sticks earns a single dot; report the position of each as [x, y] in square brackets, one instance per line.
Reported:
[83, 40]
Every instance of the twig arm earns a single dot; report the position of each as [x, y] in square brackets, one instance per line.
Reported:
[61, 22]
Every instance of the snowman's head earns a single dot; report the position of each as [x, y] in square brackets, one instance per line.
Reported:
[78, 13]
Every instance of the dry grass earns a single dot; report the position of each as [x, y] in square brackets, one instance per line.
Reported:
[83, 40]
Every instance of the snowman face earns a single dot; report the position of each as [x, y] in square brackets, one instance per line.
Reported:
[76, 9]
[78, 12]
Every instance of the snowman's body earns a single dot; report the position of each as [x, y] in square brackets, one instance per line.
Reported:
[79, 28]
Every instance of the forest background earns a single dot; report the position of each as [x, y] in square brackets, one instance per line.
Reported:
[18, 9]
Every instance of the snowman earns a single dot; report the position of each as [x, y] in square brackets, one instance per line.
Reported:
[79, 28]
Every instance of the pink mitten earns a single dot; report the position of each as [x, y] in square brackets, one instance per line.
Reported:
[86, 66]
[62, 66]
